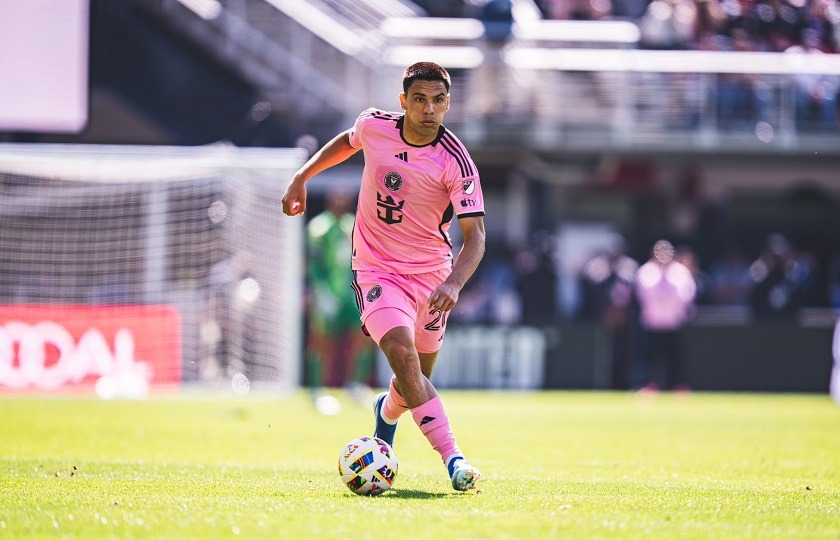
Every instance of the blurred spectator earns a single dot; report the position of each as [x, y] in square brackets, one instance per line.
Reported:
[577, 10]
[730, 279]
[702, 281]
[666, 290]
[823, 17]
[743, 98]
[629, 9]
[497, 16]
[608, 279]
[491, 296]
[537, 281]
[669, 24]
[781, 279]
[780, 24]
[710, 19]
[816, 94]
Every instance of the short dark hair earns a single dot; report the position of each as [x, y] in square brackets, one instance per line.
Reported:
[425, 71]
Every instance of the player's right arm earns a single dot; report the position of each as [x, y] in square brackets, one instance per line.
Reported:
[334, 152]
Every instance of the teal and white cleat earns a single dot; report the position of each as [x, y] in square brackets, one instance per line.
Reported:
[464, 476]
[383, 429]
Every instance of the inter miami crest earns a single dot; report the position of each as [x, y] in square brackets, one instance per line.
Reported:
[374, 293]
[393, 181]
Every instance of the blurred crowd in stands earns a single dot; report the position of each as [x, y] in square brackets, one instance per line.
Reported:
[759, 25]
[642, 305]
[742, 100]
[725, 25]
[523, 286]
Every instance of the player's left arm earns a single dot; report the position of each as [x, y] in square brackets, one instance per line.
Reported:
[445, 296]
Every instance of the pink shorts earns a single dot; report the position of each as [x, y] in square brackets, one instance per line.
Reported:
[401, 300]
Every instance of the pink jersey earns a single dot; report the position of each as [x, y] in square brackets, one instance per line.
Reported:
[666, 295]
[408, 196]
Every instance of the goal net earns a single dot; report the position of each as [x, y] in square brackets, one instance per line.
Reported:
[126, 269]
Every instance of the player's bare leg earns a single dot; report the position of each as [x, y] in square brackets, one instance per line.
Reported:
[411, 381]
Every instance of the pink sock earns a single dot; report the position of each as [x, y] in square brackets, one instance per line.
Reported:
[432, 420]
[394, 405]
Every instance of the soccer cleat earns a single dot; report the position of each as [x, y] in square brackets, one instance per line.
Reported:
[463, 475]
[383, 430]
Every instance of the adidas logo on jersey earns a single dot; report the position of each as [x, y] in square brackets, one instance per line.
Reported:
[402, 155]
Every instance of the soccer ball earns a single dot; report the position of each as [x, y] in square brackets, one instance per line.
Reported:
[368, 466]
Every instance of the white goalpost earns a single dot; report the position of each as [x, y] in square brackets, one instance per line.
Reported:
[129, 268]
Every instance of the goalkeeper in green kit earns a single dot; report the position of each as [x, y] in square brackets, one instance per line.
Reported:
[339, 354]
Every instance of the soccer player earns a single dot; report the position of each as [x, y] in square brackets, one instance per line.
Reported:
[666, 290]
[417, 177]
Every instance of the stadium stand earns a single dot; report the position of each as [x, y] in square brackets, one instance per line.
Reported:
[565, 74]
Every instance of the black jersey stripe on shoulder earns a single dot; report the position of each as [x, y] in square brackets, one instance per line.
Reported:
[454, 147]
[456, 156]
[388, 116]
[381, 115]
[463, 151]
[449, 146]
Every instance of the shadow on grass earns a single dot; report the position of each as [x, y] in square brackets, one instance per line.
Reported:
[409, 494]
[415, 494]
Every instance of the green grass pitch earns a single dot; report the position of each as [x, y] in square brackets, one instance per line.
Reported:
[558, 465]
